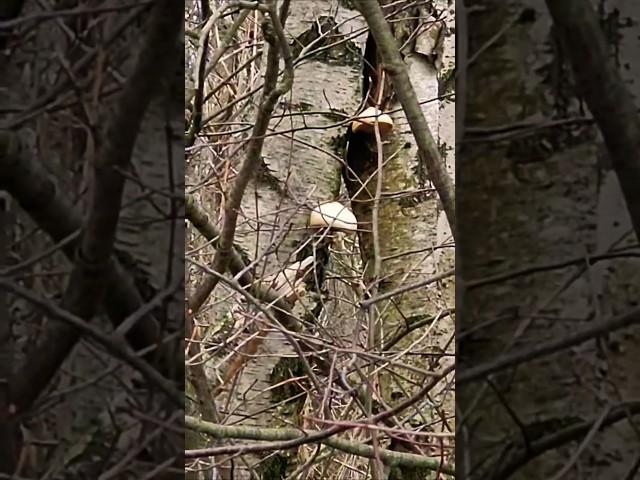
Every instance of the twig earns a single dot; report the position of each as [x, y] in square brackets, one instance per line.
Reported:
[374, 327]
[585, 442]
[407, 288]
[625, 252]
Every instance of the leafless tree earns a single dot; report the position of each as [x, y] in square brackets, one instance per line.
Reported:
[319, 350]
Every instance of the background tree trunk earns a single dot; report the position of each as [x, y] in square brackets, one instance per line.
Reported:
[546, 199]
[57, 110]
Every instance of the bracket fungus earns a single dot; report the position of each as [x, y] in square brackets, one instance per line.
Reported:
[335, 216]
[365, 122]
[289, 283]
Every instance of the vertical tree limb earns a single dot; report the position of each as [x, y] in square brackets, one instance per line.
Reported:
[393, 63]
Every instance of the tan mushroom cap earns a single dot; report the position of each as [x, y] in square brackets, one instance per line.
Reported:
[367, 119]
[335, 216]
[289, 283]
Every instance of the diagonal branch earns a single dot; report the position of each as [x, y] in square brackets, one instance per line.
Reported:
[522, 456]
[606, 95]
[38, 194]
[111, 343]
[271, 94]
[595, 329]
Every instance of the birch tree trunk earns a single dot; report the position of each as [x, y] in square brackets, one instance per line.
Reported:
[301, 167]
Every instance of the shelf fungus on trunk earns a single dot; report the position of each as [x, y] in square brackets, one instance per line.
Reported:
[328, 224]
[366, 122]
[333, 216]
[289, 283]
